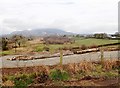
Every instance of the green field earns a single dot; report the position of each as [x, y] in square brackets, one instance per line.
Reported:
[78, 42]
[9, 52]
[92, 41]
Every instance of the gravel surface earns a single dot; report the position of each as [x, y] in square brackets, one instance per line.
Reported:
[76, 58]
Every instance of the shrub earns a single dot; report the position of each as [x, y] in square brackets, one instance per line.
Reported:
[83, 47]
[39, 49]
[22, 81]
[93, 46]
[46, 48]
[59, 75]
[66, 48]
[4, 44]
[42, 77]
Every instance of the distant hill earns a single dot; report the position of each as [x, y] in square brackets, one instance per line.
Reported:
[41, 32]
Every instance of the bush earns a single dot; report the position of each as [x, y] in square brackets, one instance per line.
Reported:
[22, 81]
[83, 47]
[46, 48]
[42, 77]
[59, 75]
[66, 48]
[4, 44]
[93, 46]
[39, 49]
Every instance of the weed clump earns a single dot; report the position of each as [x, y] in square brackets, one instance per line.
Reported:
[83, 47]
[42, 77]
[21, 81]
[59, 75]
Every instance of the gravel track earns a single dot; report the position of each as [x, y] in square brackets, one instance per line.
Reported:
[76, 58]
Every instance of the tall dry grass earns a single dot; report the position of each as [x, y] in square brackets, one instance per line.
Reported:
[110, 64]
[83, 66]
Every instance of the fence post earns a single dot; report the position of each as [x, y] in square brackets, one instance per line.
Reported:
[61, 56]
[102, 56]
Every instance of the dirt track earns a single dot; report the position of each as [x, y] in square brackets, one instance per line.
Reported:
[52, 61]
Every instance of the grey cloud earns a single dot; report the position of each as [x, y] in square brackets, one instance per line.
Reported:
[15, 24]
[50, 3]
[71, 15]
[66, 3]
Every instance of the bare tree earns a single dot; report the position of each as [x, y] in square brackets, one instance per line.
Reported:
[4, 43]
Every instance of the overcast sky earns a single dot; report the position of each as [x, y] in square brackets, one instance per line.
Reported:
[79, 16]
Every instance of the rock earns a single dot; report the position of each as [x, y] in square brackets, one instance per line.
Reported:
[87, 78]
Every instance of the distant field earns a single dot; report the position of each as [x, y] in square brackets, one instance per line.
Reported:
[37, 47]
[91, 41]
[78, 42]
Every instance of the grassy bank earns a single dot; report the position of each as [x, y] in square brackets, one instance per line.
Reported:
[62, 75]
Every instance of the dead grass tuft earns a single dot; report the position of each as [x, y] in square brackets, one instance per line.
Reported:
[8, 83]
[86, 66]
[110, 64]
[41, 69]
